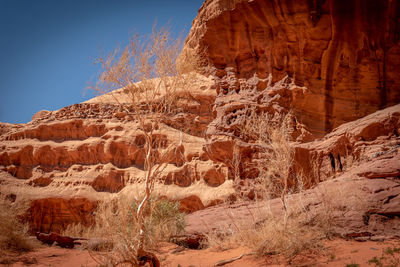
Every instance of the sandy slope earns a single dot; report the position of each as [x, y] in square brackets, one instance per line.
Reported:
[334, 253]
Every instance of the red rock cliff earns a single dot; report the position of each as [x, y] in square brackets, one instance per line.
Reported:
[346, 53]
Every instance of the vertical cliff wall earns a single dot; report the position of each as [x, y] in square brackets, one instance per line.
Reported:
[347, 53]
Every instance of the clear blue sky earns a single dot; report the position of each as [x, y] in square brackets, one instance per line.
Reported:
[47, 47]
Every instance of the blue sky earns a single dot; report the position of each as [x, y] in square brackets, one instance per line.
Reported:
[47, 47]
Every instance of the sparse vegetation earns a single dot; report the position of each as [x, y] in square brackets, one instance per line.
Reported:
[390, 257]
[294, 230]
[299, 226]
[332, 257]
[14, 235]
[288, 239]
[273, 237]
[307, 224]
[271, 134]
[335, 203]
[117, 230]
[149, 81]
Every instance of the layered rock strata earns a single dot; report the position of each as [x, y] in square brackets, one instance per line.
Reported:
[346, 53]
[355, 171]
[331, 63]
[63, 162]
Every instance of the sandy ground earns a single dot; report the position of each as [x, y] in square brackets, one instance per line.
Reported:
[336, 253]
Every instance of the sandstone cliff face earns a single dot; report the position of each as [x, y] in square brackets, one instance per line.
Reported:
[355, 172]
[233, 111]
[347, 53]
[64, 161]
[331, 62]
[368, 147]
[55, 214]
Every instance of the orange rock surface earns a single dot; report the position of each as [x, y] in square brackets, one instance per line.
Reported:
[54, 214]
[333, 63]
[354, 174]
[347, 53]
[64, 161]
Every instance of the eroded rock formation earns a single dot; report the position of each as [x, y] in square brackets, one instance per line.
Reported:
[347, 53]
[356, 168]
[54, 214]
[332, 63]
[369, 146]
[65, 161]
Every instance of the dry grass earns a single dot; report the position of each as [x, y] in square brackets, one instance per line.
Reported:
[390, 257]
[275, 159]
[275, 235]
[117, 232]
[191, 61]
[292, 231]
[301, 227]
[289, 240]
[334, 204]
[301, 224]
[151, 81]
[14, 235]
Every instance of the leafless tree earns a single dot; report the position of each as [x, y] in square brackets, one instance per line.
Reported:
[144, 79]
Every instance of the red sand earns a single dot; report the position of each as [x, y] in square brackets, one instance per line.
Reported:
[337, 253]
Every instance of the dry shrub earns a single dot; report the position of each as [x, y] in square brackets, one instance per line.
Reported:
[275, 159]
[288, 233]
[191, 60]
[309, 221]
[149, 83]
[115, 236]
[289, 240]
[283, 234]
[301, 224]
[14, 235]
[148, 73]
[333, 204]
[301, 227]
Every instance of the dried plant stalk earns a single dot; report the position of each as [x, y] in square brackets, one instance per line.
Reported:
[148, 77]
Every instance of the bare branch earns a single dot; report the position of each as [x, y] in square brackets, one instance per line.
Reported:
[143, 78]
